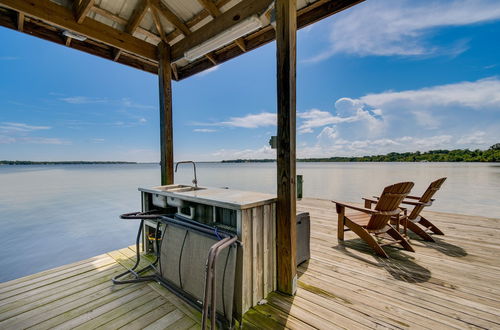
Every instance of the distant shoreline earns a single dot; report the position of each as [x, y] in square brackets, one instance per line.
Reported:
[491, 155]
[28, 162]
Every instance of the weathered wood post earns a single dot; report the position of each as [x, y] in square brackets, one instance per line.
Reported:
[286, 29]
[166, 129]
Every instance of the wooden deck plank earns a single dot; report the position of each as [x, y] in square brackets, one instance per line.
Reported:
[452, 283]
[141, 320]
[23, 311]
[47, 279]
[51, 271]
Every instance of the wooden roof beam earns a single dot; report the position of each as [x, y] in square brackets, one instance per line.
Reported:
[81, 9]
[215, 12]
[210, 7]
[157, 22]
[20, 21]
[170, 16]
[226, 20]
[116, 54]
[124, 22]
[240, 42]
[211, 58]
[137, 16]
[63, 18]
[195, 20]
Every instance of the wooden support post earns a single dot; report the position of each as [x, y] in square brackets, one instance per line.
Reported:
[166, 129]
[286, 30]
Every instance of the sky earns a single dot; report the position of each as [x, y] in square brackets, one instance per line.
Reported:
[383, 76]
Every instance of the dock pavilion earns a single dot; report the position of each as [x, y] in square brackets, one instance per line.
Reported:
[453, 283]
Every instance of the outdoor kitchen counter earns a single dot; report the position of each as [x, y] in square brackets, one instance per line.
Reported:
[226, 198]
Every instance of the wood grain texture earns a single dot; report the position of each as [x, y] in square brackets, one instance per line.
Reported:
[82, 9]
[166, 125]
[234, 15]
[286, 31]
[137, 16]
[62, 17]
[448, 284]
[452, 283]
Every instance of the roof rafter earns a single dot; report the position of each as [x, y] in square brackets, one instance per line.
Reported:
[157, 22]
[20, 21]
[210, 7]
[226, 20]
[195, 20]
[305, 16]
[124, 22]
[63, 18]
[81, 9]
[170, 16]
[215, 12]
[137, 16]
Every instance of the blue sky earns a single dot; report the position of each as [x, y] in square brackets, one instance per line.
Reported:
[386, 75]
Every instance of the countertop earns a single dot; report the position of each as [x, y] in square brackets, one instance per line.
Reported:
[226, 198]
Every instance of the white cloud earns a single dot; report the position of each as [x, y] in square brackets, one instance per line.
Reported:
[480, 94]
[83, 100]
[204, 130]
[97, 140]
[43, 140]
[317, 118]
[351, 111]
[402, 27]
[373, 114]
[249, 121]
[426, 119]
[142, 120]
[9, 127]
[264, 152]
[33, 140]
[6, 139]
[327, 136]
[341, 147]
[475, 138]
[207, 71]
[124, 102]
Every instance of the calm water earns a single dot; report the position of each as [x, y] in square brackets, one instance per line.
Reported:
[54, 215]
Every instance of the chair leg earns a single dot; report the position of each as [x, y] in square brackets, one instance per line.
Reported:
[365, 236]
[426, 223]
[397, 236]
[419, 231]
[340, 227]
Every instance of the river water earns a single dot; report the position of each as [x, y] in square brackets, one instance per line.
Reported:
[54, 215]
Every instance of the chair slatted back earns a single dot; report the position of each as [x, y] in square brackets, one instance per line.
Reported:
[426, 197]
[388, 202]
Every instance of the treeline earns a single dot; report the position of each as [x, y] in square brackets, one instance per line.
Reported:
[458, 155]
[76, 162]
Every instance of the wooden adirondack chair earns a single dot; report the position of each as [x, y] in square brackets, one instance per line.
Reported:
[369, 224]
[419, 203]
[413, 220]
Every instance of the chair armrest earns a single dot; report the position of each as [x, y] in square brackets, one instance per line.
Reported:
[354, 207]
[416, 203]
[372, 201]
[369, 202]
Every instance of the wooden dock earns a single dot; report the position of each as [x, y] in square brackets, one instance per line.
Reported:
[453, 283]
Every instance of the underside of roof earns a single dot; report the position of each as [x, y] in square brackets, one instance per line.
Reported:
[129, 31]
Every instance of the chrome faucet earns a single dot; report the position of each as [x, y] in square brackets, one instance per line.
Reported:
[195, 181]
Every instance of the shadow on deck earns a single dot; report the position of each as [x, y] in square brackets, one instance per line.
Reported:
[453, 283]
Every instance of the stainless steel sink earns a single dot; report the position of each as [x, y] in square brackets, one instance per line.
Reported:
[178, 188]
